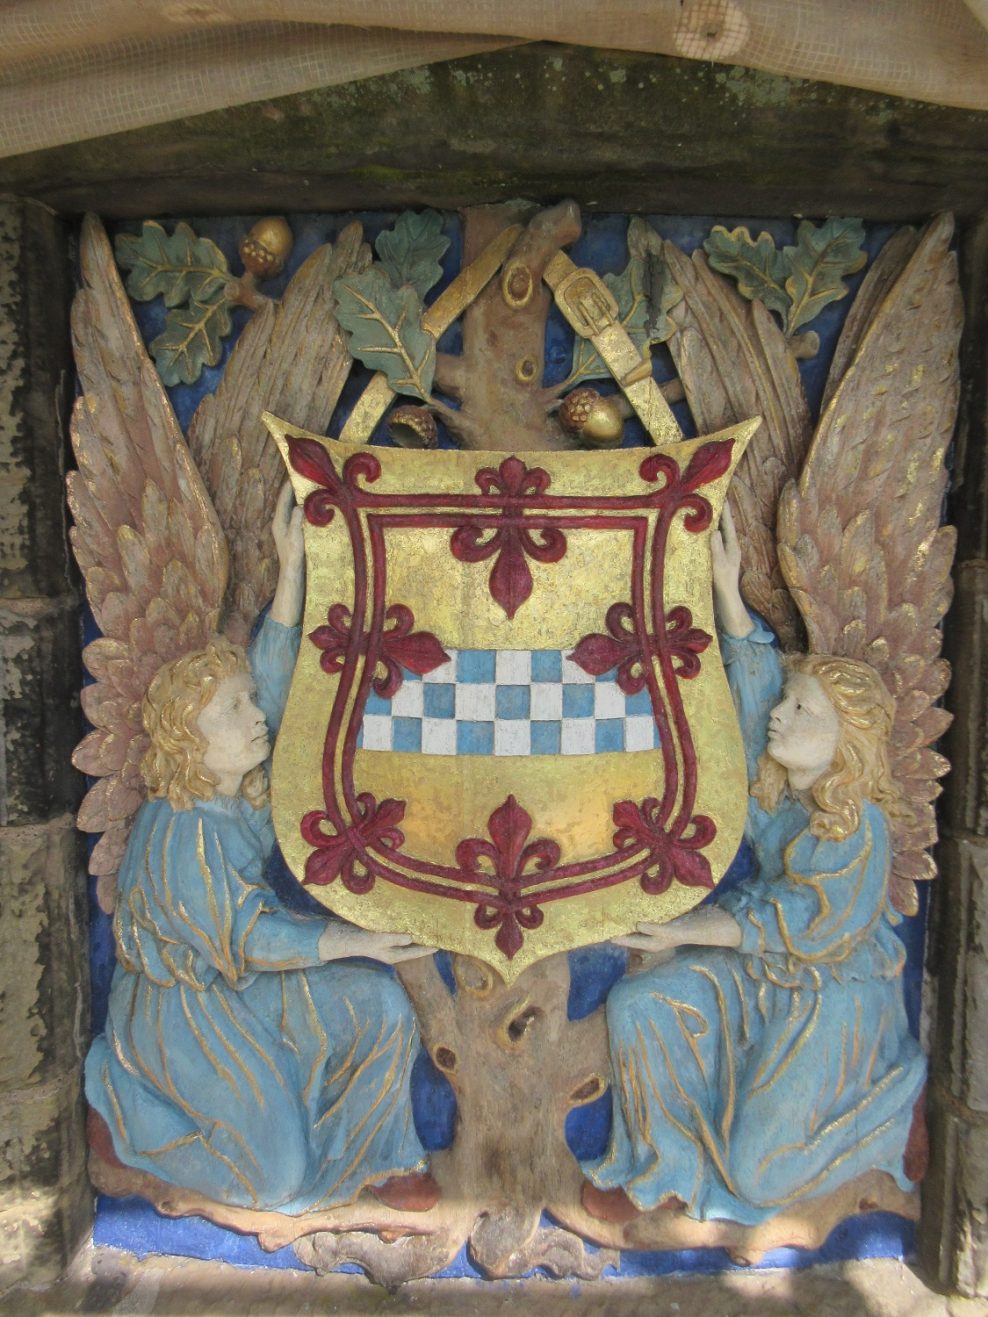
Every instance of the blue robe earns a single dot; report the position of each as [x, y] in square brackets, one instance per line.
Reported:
[746, 1079]
[233, 1061]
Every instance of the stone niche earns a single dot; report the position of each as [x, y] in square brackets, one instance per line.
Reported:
[621, 134]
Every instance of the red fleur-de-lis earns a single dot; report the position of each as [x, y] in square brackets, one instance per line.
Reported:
[417, 651]
[686, 642]
[622, 648]
[337, 852]
[508, 860]
[707, 464]
[671, 858]
[511, 578]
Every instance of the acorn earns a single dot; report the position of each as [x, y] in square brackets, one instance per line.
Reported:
[592, 419]
[413, 427]
[265, 249]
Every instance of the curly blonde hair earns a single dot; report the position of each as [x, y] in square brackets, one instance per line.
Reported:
[860, 768]
[173, 766]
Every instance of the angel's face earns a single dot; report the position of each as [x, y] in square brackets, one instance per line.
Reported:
[803, 730]
[235, 731]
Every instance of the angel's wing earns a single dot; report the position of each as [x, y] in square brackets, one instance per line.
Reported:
[291, 359]
[860, 540]
[735, 363]
[146, 538]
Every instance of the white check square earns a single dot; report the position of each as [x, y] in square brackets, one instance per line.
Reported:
[512, 736]
[377, 731]
[513, 667]
[573, 674]
[639, 732]
[475, 701]
[407, 700]
[445, 672]
[546, 700]
[578, 736]
[438, 736]
[608, 700]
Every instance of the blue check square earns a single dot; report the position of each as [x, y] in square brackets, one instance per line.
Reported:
[640, 703]
[475, 665]
[546, 737]
[438, 699]
[376, 705]
[474, 738]
[406, 734]
[547, 665]
[609, 734]
[511, 701]
[578, 701]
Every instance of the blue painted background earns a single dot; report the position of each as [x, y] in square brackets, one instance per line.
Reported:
[131, 1223]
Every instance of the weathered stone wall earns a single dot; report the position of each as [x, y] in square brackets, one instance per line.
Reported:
[955, 1197]
[45, 1201]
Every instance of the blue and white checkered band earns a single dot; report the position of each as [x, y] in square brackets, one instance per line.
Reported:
[509, 702]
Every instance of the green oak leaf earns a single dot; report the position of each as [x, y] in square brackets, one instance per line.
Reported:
[191, 339]
[180, 267]
[822, 257]
[411, 252]
[661, 290]
[642, 310]
[384, 327]
[756, 265]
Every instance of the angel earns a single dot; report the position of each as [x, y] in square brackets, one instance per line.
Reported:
[775, 1041]
[761, 1053]
[246, 1055]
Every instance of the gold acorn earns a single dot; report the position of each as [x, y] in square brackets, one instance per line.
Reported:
[593, 419]
[413, 427]
[265, 249]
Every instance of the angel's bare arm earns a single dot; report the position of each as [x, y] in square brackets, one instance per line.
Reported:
[732, 616]
[286, 527]
[339, 941]
[707, 927]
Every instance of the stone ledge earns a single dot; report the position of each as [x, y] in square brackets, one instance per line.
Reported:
[105, 1280]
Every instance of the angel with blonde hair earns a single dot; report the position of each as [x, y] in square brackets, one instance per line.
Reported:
[247, 1055]
[770, 1035]
[761, 1053]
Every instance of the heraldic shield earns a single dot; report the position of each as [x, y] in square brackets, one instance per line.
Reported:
[509, 731]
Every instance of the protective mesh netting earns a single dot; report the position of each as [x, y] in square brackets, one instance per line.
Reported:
[72, 69]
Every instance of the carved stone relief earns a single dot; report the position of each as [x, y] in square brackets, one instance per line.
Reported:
[764, 1081]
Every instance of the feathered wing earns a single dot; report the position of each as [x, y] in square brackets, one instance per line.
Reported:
[291, 359]
[735, 363]
[147, 541]
[860, 540]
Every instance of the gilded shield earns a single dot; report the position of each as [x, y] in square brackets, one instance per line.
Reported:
[509, 731]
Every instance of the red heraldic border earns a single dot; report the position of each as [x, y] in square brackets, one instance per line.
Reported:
[509, 879]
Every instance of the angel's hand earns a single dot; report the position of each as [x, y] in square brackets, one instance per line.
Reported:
[342, 941]
[286, 527]
[656, 939]
[732, 615]
[707, 927]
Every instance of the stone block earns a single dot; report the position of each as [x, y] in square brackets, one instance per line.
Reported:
[35, 393]
[40, 718]
[966, 745]
[954, 1223]
[43, 948]
[45, 1198]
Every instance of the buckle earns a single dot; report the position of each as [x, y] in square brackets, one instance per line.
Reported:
[584, 299]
